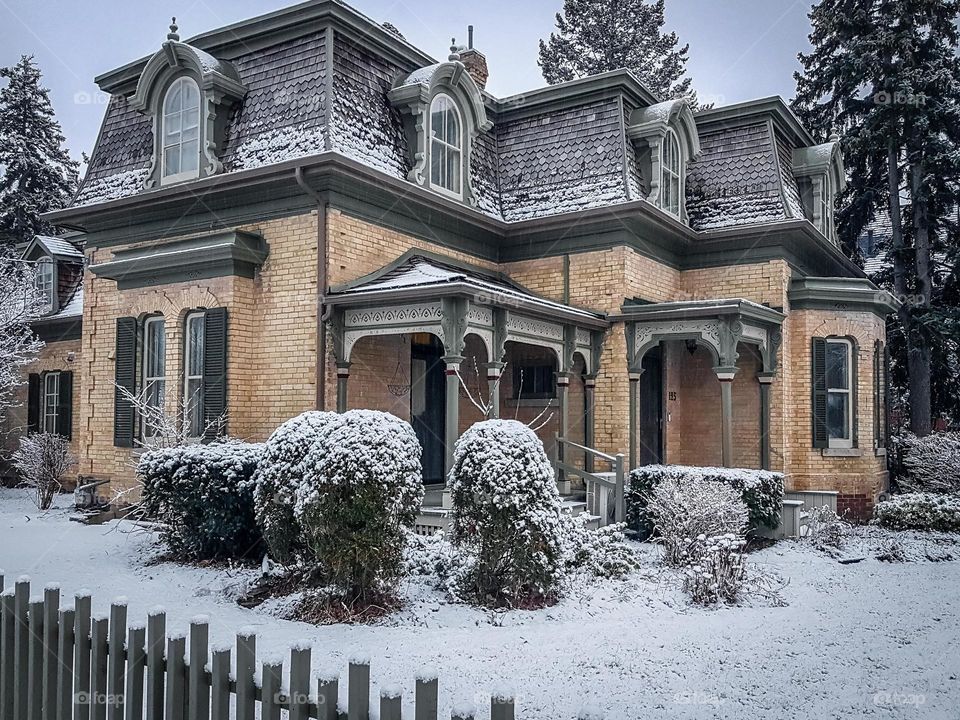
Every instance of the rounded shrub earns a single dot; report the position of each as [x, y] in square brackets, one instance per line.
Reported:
[280, 471]
[919, 511]
[203, 496]
[360, 491]
[507, 516]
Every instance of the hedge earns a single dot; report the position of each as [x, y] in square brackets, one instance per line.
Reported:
[919, 511]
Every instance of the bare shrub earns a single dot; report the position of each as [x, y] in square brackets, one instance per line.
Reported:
[932, 463]
[686, 514]
[42, 460]
[720, 573]
[825, 528]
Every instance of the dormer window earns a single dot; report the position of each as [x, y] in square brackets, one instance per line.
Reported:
[446, 146]
[181, 132]
[672, 176]
[46, 282]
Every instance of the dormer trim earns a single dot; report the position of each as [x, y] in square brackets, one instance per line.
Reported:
[818, 170]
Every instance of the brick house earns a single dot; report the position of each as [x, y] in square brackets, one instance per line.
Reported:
[302, 211]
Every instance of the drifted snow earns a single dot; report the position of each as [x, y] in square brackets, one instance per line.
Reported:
[275, 146]
[857, 640]
[111, 187]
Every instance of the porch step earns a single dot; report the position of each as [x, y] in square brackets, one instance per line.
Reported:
[573, 507]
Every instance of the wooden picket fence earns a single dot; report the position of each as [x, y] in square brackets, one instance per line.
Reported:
[63, 663]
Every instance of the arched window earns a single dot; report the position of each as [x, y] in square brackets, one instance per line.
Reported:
[154, 380]
[446, 146]
[671, 174]
[181, 131]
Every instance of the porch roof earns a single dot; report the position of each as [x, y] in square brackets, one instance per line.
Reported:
[702, 309]
[419, 275]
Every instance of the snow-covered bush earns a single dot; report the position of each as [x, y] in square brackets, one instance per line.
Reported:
[361, 489]
[686, 513]
[720, 572]
[203, 496]
[506, 517]
[932, 463]
[42, 460]
[279, 472]
[760, 490]
[825, 529]
[603, 552]
[429, 555]
[919, 511]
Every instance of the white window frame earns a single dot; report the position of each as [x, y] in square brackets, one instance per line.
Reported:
[188, 397]
[51, 411]
[45, 280]
[447, 146]
[147, 432]
[669, 175]
[844, 442]
[166, 179]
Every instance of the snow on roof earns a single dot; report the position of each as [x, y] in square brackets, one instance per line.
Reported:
[59, 247]
[74, 306]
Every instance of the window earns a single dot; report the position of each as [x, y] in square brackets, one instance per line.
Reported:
[670, 183]
[534, 382]
[154, 380]
[879, 396]
[839, 357]
[181, 131]
[46, 282]
[193, 374]
[51, 401]
[446, 145]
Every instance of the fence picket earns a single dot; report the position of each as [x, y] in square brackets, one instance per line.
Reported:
[463, 712]
[501, 706]
[156, 637]
[81, 655]
[7, 625]
[198, 707]
[358, 690]
[136, 664]
[246, 667]
[99, 629]
[51, 630]
[426, 696]
[327, 691]
[21, 644]
[176, 677]
[220, 673]
[118, 631]
[299, 682]
[64, 702]
[390, 705]
[270, 700]
[35, 660]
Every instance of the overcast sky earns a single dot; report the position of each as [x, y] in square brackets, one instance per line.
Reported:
[739, 49]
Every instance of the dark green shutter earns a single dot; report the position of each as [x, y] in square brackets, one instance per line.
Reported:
[33, 403]
[65, 405]
[854, 392]
[886, 396]
[818, 368]
[878, 399]
[214, 371]
[125, 372]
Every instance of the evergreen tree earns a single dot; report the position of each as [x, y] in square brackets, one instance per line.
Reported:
[596, 36]
[38, 173]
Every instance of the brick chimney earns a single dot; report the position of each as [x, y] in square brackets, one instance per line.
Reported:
[475, 61]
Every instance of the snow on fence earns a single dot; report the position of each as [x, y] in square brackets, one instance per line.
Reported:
[64, 663]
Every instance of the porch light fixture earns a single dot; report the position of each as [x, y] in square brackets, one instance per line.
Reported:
[691, 346]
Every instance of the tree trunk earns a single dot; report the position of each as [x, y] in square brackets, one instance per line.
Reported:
[919, 361]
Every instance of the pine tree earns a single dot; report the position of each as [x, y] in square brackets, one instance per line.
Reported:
[596, 36]
[38, 173]
[886, 76]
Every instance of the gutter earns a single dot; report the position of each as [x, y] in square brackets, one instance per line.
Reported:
[323, 310]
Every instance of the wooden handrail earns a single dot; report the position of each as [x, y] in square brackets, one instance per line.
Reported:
[617, 464]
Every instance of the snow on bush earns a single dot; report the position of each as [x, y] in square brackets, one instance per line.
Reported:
[42, 460]
[280, 470]
[932, 463]
[687, 513]
[760, 490]
[507, 516]
[429, 555]
[720, 572]
[919, 511]
[360, 491]
[203, 495]
[603, 552]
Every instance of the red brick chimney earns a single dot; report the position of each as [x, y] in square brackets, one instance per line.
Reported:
[475, 61]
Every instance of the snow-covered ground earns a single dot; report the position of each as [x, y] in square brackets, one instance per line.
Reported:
[865, 639]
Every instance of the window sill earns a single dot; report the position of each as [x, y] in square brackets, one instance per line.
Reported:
[880, 452]
[842, 452]
[533, 402]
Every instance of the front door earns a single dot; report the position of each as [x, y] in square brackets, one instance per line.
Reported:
[651, 409]
[428, 402]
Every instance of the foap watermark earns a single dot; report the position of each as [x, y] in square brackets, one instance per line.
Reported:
[899, 97]
[496, 297]
[908, 299]
[91, 98]
[98, 699]
[898, 698]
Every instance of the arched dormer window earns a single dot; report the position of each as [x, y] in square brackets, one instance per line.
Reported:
[446, 146]
[672, 169]
[180, 128]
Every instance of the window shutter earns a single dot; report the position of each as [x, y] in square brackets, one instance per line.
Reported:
[214, 372]
[878, 396]
[65, 405]
[33, 403]
[854, 392]
[125, 372]
[818, 366]
[886, 396]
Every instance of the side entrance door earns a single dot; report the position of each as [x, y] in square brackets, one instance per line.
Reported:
[428, 402]
[651, 409]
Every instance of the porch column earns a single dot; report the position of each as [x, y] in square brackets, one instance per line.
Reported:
[494, 369]
[725, 375]
[343, 374]
[452, 422]
[589, 398]
[563, 397]
[765, 379]
[634, 419]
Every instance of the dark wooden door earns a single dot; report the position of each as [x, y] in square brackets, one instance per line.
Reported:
[428, 403]
[651, 409]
